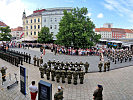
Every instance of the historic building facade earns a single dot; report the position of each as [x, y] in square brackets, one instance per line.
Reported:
[32, 24]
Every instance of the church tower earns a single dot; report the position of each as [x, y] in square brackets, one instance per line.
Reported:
[24, 14]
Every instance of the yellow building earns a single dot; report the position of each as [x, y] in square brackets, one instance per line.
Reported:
[32, 24]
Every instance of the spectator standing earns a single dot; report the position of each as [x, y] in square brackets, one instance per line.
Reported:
[33, 90]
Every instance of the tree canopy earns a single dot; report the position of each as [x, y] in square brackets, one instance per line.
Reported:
[45, 36]
[76, 29]
[5, 33]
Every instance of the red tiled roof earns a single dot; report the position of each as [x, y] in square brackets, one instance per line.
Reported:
[103, 30]
[128, 30]
[17, 29]
[2, 24]
[38, 11]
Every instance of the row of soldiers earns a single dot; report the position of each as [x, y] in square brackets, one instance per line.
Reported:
[64, 70]
[120, 56]
[106, 66]
[11, 58]
[26, 57]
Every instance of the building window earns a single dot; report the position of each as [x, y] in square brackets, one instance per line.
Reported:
[27, 33]
[38, 26]
[27, 21]
[23, 22]
[55, 20]
[38, 19]
[50, 26]
[55, 27]
[31, 21]
[31, 27]
[34, 33]
[51, 19]
[45, 20]
[31, 33]
[26, 27]
[34, 20]
[52, 32]
[34, 26]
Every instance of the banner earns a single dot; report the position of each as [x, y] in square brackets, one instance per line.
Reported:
[23, 80]
[45, 90]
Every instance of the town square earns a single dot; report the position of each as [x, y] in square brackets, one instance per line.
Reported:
[66, 50]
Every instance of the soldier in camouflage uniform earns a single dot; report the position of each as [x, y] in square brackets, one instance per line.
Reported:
[105, 66]
[69, 76]
[29, 58]
[45, 67]
[108, 65]
[63, 76]
[53, 74]
[75, 77]
[26, 58]
[49, 63]
[38, 61]
[3, 72]
[57, 76]
[81, 76]
[100, 66]
[86, 65]
[48, 73]
[41, 61]
[41, 68]
[35, 60]
[59, 94]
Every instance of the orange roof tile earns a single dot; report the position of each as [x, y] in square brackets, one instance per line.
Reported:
[17, 29]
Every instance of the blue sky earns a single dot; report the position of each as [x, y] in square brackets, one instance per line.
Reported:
[118, 12]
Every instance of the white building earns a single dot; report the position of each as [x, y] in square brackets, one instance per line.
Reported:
[129, 33]
[51, 18]
[106, 33]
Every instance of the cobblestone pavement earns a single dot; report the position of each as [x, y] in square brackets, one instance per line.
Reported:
[117, 84]
[93, 60]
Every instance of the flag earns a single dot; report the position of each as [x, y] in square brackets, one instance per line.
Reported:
[21, 35]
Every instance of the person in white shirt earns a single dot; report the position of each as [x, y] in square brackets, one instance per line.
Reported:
[33, 90]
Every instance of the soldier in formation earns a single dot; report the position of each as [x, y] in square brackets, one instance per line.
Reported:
[60, 71]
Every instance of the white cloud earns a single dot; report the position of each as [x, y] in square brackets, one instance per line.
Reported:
[11, 12]
[108, 6]
[121, 7]
[100, 15]
[89, 14]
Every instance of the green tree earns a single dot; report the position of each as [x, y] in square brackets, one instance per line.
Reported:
[45, 36]
[5, 33]
[76, 29]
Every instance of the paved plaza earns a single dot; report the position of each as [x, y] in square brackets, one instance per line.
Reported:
[92, 60]
[117, 83]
